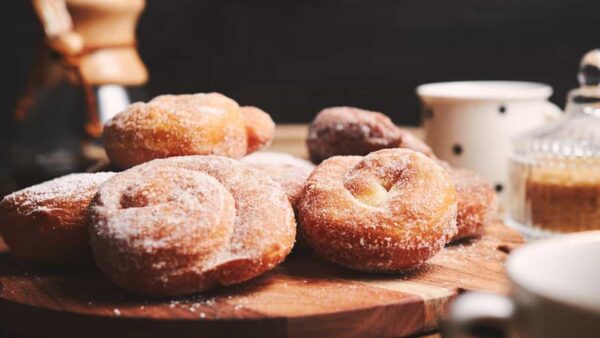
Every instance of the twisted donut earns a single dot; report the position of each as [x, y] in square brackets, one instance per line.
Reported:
[174, 125]
[46, 224]
[185, 224]
[353, 131]
[289, 171]
[259, 127]
[388, 211]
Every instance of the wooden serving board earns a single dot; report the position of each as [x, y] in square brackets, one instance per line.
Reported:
[303, 297]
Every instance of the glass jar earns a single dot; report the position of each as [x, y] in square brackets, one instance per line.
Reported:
[554, 173]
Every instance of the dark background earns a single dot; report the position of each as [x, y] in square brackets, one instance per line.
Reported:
[293, 58]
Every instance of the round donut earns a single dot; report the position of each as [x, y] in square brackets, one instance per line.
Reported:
[259, 127]
[354, 131]
[174, 125]
[46, 224]
[289, 171]
[476, 203]
[386, 212]
[182, 225]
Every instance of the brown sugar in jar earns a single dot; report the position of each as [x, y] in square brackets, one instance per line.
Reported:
[563, 200]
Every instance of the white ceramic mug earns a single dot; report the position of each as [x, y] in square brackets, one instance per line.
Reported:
[469, 124]
[555, 287]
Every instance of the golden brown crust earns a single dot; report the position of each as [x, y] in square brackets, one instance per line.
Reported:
[259, 127]
[353, 131]
[175, 125]
[46, 224]
[476, 202]
[186, 224]
[388, 211]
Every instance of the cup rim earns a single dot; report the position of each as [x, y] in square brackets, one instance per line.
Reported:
[488, 90]
[522, 274]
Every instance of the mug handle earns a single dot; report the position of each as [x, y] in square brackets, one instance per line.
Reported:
[478, 313]
[553, 112]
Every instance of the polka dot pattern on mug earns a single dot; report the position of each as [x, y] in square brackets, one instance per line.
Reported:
[427, 112]
[498, 187]
[457, 149]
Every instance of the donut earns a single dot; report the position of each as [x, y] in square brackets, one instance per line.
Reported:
[182, 225]
[476, 203]
[259, 128]
[354, 131]
[289, 171]
[385, 212]
[177, 125]
[46, 224]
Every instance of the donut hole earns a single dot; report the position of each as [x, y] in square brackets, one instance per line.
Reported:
[372, 187]
[370, 192]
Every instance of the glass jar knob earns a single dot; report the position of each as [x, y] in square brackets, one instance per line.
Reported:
[589, 69]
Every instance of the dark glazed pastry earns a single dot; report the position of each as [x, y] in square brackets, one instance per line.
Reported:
[354, 131]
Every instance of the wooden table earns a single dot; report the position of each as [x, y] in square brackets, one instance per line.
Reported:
[304, 296]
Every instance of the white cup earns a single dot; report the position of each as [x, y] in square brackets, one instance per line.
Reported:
[469, 124]
[555, 287]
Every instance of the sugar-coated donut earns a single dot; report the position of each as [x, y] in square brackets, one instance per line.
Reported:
[476, 203]
[259, 127]
[354, 131]
[182, 225]
[386, 212]
[175, 125]
[289, 171]
[46, 224]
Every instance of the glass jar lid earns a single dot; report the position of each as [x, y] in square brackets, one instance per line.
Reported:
[574, 138]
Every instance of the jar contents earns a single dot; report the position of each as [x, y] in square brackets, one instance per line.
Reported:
[558, 196]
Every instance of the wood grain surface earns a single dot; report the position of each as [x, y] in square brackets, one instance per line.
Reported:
[304, 296]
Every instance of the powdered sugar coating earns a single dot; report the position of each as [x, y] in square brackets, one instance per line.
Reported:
[185, 224]
[49, 195]
[46, 224]
[476, 202]
[259, 127]
[175, 125]
[289, 171]
[354, 131]
[388, 211]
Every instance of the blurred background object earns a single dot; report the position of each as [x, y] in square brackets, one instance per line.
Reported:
[294, 58]
[553, 294]
[87, 70]
[470, 124]
[555, 169]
